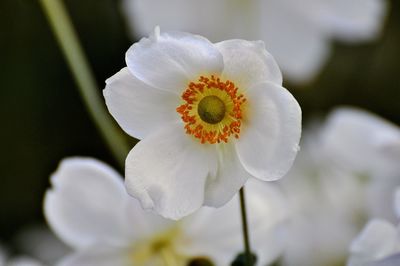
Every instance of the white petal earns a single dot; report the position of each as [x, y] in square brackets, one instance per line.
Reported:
[297, 43]
[248, 63]
[143, 224]
[229, 178]
[270, 134]
[139, 108]
[216, 233]
[267, 215]
[183, 15]
[317, 238]
[381, 198]
[393, 260]
[98, 256]
[357, 20]
[86, 202]
[350, 132]
[397, 202]
[167, 172]
[170, 60]
[377, 240]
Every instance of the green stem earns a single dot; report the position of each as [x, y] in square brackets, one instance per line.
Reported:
[78, 64]
[247, 250]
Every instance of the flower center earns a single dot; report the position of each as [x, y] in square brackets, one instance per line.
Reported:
[212, 110]
[160, 246]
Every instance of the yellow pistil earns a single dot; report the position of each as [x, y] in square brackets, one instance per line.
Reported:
[212, 110]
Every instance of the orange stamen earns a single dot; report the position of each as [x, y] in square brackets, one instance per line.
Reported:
[200, 129]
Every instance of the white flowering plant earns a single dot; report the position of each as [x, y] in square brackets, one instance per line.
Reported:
[210, 117]
[204, 135]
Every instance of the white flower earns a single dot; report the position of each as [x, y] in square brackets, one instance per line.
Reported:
[89, 209]
[210, 116]
[324, 204]
[297, 33]
[345, 174]
[362, 142]
[366, 146]
[378, 244]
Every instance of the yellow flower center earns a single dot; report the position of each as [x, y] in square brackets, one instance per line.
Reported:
[212, 110]
[158, 250]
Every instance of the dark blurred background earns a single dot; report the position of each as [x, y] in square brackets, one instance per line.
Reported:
[44, 119]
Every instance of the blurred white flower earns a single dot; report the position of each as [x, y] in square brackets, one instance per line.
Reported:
[89, 209]
[297, 33]
[362, 142]
[378, 244]
[210, 116]
[324, 205]
[368, 147]
[341, 177]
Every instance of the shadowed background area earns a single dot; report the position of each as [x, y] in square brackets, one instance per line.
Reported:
[44, 119]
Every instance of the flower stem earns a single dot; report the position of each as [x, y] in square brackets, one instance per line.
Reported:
[68, 41]
[247, 250]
